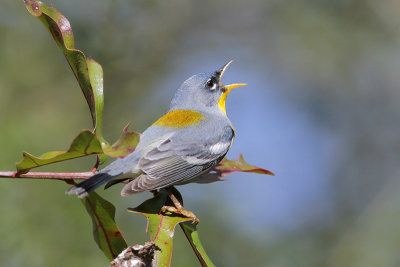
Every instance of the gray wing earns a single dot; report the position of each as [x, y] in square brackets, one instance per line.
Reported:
[175, 160]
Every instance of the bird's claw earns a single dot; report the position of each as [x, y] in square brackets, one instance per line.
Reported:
[180, 211]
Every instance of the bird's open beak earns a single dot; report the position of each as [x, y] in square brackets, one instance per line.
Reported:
[222, 70]
[226, 88]
[229, 87]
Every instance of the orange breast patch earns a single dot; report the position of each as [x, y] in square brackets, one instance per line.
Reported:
[179, 119]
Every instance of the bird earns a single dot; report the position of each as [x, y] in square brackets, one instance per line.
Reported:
[191, 138]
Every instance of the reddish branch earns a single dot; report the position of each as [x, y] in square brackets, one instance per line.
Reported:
[47, 175]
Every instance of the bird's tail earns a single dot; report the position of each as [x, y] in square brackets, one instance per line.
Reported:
[84, 188]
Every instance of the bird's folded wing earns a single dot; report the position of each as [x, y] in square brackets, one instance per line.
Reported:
[170, 163]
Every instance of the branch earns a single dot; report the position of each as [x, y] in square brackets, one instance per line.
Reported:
[47, 175]
[138, 255]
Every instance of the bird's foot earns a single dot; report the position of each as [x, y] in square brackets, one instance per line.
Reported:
[181, 211]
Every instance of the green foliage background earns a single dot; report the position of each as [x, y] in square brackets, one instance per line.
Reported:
[337, 61]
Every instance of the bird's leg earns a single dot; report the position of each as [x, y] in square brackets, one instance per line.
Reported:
[176, 202]
[179, 208]
[154, 192]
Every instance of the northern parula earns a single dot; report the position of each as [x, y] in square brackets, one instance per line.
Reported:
[189, 140]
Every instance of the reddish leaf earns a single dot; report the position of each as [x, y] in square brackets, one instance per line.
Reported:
[124, 146]
[226, 167]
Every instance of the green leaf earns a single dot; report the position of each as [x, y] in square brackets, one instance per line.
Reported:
[105, 231]
[88, 72]
[192, 235]
[125, 145]
[86, 143]
[96, 80]
[160, 226]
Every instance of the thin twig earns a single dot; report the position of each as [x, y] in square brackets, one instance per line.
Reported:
[96, 165]
[47, 175]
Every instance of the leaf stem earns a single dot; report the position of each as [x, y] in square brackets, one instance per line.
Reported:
[198, 255]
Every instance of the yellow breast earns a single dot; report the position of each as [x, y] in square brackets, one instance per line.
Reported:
[179, 119]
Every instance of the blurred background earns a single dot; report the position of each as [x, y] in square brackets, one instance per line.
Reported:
[320, 110]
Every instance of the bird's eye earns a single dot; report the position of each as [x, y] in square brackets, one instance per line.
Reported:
[211, 84]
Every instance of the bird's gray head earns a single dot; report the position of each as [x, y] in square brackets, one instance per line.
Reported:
[203, 91]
